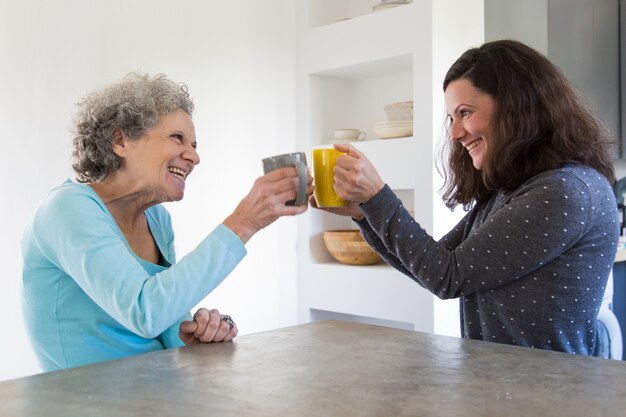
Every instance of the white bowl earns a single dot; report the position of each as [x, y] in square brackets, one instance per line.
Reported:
[399, 111]
[394, 123]
[349, 134]
[388, 5]
[389, 130]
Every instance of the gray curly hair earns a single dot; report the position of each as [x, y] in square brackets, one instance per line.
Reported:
[133, 105]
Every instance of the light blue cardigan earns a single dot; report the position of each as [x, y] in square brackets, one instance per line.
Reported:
[89, 298]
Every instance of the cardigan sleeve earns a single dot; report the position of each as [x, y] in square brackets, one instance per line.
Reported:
[77, 234]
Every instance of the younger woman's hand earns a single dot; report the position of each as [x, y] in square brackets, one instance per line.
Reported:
[356, 179]
[351, 209]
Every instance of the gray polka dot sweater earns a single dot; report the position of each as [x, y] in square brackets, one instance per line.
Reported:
[530, 267]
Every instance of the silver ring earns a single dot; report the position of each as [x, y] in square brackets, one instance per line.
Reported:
[229, 320]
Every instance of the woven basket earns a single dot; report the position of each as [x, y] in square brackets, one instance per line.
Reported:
[349, 247]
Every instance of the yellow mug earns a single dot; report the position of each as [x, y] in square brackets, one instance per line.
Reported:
[323, 165]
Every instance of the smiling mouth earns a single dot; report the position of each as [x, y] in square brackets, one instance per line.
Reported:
[473, 144]
[177, 172]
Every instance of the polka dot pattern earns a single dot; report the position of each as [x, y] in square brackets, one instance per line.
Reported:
[530, 267]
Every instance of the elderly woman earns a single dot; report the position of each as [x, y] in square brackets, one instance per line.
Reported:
[531, 259]
[100, 275]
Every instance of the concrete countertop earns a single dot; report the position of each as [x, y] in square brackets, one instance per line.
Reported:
[330, 368]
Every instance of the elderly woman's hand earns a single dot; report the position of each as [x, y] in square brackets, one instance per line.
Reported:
[356, 179]
[207, 327]
[266, 202]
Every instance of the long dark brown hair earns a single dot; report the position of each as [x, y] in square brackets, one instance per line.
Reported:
[540, 123]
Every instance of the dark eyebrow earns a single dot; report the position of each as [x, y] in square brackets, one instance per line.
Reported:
[455, 111]
[468, 106]
[458, 108]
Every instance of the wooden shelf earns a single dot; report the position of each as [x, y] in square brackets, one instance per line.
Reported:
[376, 291]
[348, 70]
[370, 40]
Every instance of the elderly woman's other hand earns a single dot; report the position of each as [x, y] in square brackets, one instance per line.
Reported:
[266, 202]
[207, 326]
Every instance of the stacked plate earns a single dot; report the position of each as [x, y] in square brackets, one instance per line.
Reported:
[388, 4]
[393, 129]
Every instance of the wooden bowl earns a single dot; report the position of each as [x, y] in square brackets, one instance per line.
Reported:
[349, 247]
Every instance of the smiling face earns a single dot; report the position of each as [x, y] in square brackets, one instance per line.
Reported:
[159, 162]
[470, 114]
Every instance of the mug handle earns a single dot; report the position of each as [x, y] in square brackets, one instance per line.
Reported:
[362, 135]
[301, 198]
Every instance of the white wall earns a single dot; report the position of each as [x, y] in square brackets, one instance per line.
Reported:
[238, 59]
[526, 21]
[451, 37]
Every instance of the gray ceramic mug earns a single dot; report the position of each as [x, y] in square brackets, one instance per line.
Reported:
[296, 159]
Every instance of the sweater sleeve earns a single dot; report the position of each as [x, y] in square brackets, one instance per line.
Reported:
[378, 245]
[450, 241]
[75, 232]
[541, 220]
